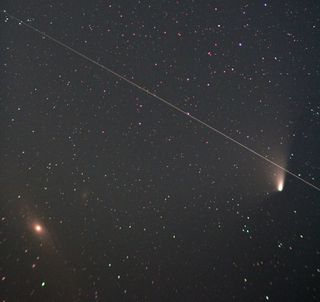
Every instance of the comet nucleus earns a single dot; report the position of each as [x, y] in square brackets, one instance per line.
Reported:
[280, 186]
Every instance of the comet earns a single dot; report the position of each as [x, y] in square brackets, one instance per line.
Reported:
[280, 186]
[280, 181]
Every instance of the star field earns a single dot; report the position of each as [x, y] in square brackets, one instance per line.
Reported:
[108, 194]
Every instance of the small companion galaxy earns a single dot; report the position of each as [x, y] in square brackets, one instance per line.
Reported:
[160, 151]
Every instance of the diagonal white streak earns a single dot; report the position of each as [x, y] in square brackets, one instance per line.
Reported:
[162, 100]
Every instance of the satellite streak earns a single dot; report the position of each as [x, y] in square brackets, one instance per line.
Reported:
[161, 99]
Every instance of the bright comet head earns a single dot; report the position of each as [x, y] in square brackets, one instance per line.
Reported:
[280, 186]
[280, 182]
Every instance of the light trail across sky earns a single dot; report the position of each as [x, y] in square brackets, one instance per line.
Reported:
[165, 101]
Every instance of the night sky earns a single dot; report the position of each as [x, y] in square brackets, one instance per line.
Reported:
[108, 194]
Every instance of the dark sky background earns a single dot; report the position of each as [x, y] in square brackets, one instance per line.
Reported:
[135, 201]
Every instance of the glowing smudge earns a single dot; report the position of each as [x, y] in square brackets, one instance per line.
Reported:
[38, 228]
[280, 181]
[280, 186]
